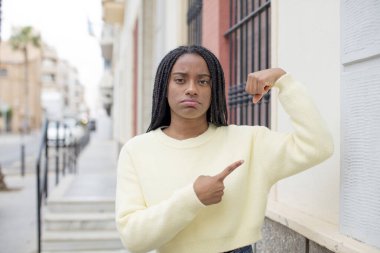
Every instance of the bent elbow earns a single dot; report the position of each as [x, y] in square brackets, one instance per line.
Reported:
[130, 240]
[325, 147]
[133, 246]
[329, 148]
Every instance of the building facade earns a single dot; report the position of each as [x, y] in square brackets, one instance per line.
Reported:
[19, 99]
[62, 94]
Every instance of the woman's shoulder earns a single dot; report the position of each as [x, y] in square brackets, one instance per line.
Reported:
[240, 128]
[140, 140]
[238, 132]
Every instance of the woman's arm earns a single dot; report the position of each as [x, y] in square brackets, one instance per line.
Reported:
[145, 228]
[284, 154]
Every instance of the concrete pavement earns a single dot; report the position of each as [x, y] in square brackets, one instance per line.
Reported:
[10, 150]
[18, 215]
[97, 171]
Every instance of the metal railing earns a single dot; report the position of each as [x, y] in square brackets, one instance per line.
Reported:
[41, 191]
[64, 149]
[249, 51]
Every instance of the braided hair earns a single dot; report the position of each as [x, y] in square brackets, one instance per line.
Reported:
[217, 112]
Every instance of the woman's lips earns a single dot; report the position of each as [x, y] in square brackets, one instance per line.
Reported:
[190, 102]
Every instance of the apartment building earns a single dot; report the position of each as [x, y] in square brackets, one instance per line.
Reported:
[53, 89]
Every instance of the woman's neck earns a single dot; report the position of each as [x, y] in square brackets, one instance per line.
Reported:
[186, 129]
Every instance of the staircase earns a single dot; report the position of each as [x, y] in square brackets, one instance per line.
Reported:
[79, 224]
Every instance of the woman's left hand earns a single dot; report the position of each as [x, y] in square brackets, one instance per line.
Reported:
[260, 82]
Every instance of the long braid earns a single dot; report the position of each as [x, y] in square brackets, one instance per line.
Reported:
[216, 114]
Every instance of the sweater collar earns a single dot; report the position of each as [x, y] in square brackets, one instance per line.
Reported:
[187, 143]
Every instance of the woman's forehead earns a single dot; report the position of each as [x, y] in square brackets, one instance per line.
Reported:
[190, 63]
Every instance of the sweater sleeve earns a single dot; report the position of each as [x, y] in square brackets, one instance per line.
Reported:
[143, 228]
[285, 154]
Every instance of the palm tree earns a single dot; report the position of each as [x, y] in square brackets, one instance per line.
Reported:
[20, 40]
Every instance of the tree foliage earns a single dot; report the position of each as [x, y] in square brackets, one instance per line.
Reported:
[23, 37]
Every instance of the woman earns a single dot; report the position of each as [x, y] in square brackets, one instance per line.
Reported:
[195, 184]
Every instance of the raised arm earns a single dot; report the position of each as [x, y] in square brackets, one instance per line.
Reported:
[284, 154]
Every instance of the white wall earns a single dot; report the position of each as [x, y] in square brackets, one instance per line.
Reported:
[146, 79]
[360, 191]
[123, 74]
[170, 26]
[306, 39]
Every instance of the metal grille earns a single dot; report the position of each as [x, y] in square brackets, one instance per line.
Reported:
[249, 41]
[194, 22]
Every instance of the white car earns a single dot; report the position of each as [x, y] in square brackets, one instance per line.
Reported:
[68, 135]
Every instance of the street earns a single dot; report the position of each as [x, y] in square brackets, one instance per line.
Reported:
[10, 151]
[18, 215]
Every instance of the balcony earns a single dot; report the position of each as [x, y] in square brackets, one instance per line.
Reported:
[113, 11]
[106, 42]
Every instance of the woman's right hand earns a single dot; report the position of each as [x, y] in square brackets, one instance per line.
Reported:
[260, 82]
[210, 189]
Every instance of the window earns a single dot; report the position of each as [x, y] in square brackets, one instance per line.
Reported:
[194, 22]
[3, 72]
[249, 40]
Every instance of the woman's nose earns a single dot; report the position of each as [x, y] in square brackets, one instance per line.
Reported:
[191, 89]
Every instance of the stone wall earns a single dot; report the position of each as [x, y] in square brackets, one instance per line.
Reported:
[278, 238]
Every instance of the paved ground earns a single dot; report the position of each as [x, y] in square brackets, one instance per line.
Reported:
[10, 151]
[97, 171]
[18, 215]
[96, 177]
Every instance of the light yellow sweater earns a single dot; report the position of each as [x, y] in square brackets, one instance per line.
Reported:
[157, 208]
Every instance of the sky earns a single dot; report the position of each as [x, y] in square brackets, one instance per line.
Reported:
[63, 25]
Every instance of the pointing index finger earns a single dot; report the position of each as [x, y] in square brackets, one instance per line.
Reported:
[230, 168]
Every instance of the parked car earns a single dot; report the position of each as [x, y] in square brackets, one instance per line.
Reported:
[68, 132]
[92, 125]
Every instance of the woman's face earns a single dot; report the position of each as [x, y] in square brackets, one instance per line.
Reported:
[189, 88]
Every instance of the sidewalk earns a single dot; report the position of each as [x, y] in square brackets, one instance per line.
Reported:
[96, 177]
[10, 152]
[18, 232]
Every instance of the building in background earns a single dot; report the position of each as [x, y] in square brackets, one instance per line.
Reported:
[107, 41]
[12, 85]
[330, 46]
[52, 93]
[54, 88]
[62, 94]
[73, 91]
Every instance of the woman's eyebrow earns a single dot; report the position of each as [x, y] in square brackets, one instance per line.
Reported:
[185, 74]
[179, 73]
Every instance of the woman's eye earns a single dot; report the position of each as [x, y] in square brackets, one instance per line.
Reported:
[204, 82]
[179, 80]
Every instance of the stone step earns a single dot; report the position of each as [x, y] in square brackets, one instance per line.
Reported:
[79, 221]
[59, 202]
[81, 241]
[75, 205]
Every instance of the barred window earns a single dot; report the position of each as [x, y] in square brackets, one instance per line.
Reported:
[194, 22]
[249, 51]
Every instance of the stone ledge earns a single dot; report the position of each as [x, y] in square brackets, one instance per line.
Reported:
[321, 232]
